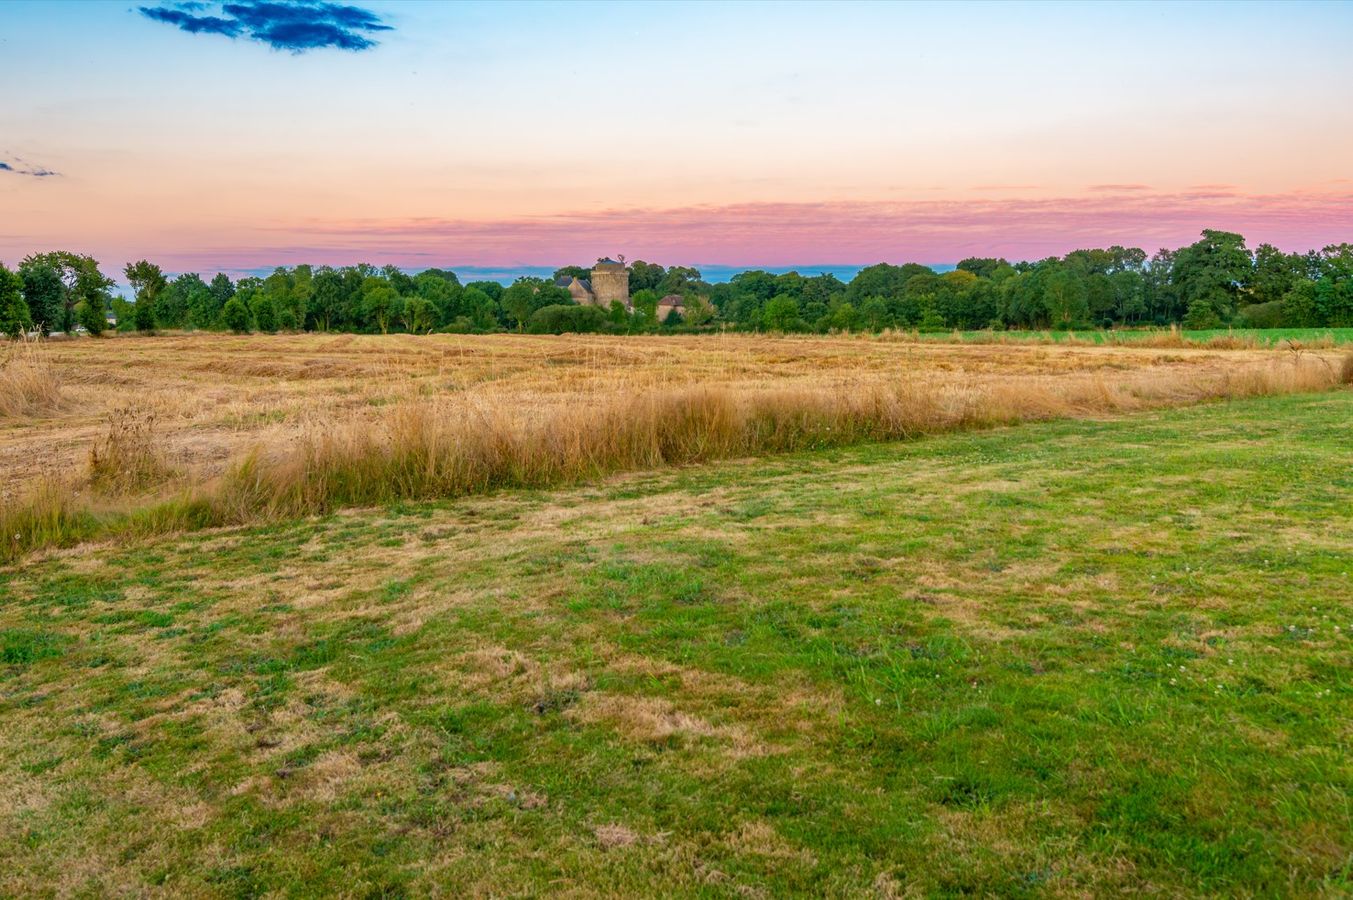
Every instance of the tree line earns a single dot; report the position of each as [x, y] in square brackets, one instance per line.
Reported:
[1212, 282]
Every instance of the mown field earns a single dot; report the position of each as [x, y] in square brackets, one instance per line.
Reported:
[1063, 658]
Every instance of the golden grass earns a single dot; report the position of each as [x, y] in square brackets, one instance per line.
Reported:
[127, 458]
[218, 397]
[418, 447]
[28, 381]
[448, 448]
[1346, 369]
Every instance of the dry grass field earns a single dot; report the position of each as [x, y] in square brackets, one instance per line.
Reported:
[153, 435]
[208, 399]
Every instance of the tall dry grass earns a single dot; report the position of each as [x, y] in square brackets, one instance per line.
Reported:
[127, 459]
[28, 381]
[433, 449]
[425, 449]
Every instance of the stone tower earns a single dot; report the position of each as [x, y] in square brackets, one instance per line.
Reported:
[610, 281]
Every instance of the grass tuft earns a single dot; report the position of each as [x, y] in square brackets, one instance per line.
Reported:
[28, 381]
[127, 460]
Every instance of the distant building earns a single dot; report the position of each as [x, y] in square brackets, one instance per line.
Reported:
[580, 289]
[610, 282]
[672, 303]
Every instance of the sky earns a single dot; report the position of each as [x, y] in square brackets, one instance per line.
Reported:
[239, 136]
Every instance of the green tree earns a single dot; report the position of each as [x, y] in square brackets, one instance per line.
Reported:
[220, 291]
[1211, 271]
[841, 317]
[45, 295]
[645, 305]
[264, 310]
[15, 317]
[699, 311]
[235, 316]
[479, 308]
[1065, 298]
[148, 282]
[82, 281]
[1129, 295]
[380, 303]
[1201, 315]
[643, 276]
[781, 314]
[91, 316]
[420, 315]
[1274, 274]
[326, 299]
[443, 292]
[982, 267]
[526, 295]
[678, 280]
[580, 272]
[874, 314]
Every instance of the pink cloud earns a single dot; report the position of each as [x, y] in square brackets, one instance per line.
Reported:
[1118, 188]
[771, 234]
[844, 232]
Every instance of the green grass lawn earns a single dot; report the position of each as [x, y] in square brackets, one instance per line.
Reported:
[1267, 336]
[1068, 658]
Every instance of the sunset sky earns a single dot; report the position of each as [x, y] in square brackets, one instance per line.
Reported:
[747, 134]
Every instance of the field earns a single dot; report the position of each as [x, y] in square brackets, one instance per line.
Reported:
[1270, 337]
[1083, 633]
[209, 399]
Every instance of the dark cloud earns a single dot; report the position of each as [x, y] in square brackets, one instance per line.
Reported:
[296, 27]
[301, 36]
[19, 167]
[263, 14]
[191, 23]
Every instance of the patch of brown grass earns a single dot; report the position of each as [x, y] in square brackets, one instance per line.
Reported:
[1346, 369]
[127, 459]
[28, 381]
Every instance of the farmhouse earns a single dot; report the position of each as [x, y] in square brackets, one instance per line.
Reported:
[610, 282]
[672, 303]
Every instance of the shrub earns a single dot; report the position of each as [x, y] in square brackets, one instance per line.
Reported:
[1261, 315]
[235, 315]
[559, 319]
[1201, 316]
[458, 325]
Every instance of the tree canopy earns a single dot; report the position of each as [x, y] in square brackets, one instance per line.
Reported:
[1214, 281]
